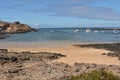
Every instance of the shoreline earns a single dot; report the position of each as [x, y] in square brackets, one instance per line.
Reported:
[73, 53]
[25, 65]
[55, 62]
[51, 44]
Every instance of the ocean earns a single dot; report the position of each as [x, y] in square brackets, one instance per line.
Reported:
[80, 35]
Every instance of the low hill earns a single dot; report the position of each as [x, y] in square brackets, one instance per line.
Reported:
[13, 28]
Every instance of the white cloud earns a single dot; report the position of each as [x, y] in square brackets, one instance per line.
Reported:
[72, 8]
[87, 12]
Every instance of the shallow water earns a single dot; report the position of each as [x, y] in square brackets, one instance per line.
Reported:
[66, 35]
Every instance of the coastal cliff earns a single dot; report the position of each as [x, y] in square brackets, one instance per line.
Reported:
[13, 28]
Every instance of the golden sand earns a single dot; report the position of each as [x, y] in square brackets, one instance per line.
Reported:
[74, 54]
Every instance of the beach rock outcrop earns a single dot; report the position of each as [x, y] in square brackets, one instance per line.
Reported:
[13, 28]
[26, 65]
[2, 36]
[114, 48]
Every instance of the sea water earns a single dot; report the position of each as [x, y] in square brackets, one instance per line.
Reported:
[66, 35]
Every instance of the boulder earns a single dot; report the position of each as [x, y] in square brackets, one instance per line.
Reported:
[2, 37]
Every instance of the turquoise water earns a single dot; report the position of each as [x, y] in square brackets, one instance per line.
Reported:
[65, 34]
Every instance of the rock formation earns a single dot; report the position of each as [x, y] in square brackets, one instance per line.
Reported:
[28, 65]
[13, 28]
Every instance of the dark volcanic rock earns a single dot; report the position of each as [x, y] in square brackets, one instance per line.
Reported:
[39, 66]
[8, 57]
[111, 47]
[2, 37]
[15, 27]
[114, 48]
[21, 65]
[3, 51]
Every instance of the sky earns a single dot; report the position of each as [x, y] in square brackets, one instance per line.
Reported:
[62, 13]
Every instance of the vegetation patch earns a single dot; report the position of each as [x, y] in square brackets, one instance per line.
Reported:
[94, 75]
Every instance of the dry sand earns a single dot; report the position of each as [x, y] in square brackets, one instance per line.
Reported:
[74, 54]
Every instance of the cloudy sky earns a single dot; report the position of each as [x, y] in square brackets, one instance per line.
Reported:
[61, 13]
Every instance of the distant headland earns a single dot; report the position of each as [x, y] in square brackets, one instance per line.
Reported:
[14, 28]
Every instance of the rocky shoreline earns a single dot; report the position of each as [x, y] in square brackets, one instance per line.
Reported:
[40, 66]
[113, 48]
[13, 28]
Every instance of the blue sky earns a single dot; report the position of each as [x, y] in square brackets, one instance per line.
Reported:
[59, 13]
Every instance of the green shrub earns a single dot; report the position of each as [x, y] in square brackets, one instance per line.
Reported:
[94, 75]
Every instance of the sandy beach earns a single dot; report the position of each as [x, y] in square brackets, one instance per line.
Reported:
[53, 61]
[74, 54]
